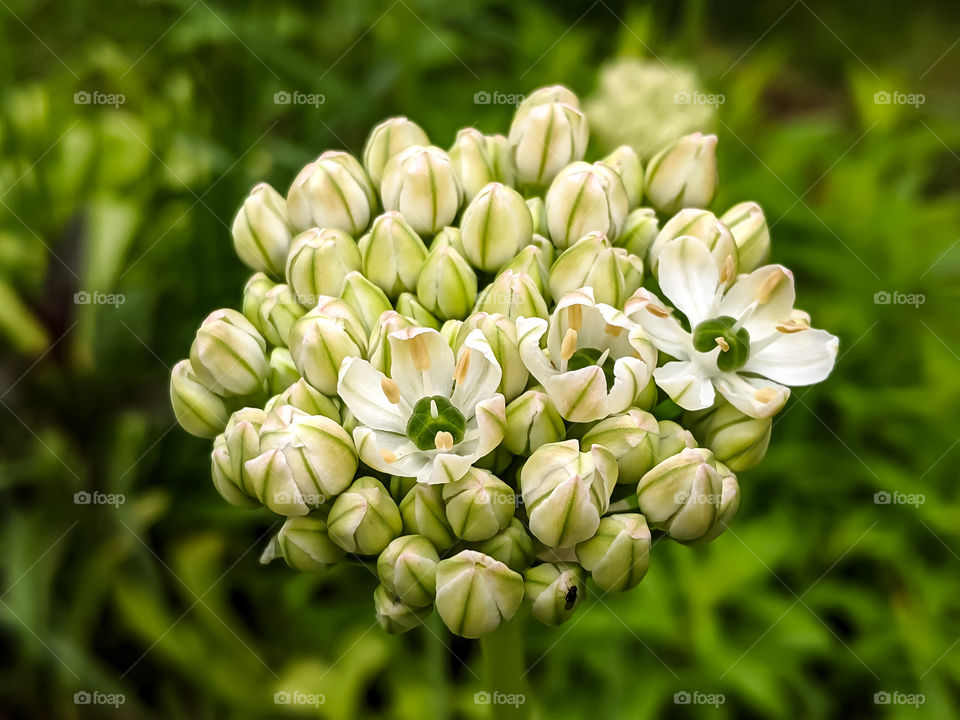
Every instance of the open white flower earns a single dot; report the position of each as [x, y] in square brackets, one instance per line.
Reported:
[744, 343]
[596, 360]
[435, 415]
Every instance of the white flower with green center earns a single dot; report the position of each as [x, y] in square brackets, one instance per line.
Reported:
[743, 342]
[596, 360]
[435, 414]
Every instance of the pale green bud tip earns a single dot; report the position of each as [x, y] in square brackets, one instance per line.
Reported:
[331, 192]
[546, 138]
[553, 591]
[626, 163]
[320, 341]
[386, 140]
[705, 227]
[277, 314]
[618, 556]
[472, 162]
[749, 227]
[393, 615]
[479, 505]
[364, 519]
[538, 211]
[513, 294]
[532, 420]
[392, 254]
[303, 396]
[367, 299]
[634, 440]
[261, 232]
[639, 232]
[199, 411]
[683, 174]
[590, 262]
[228, 354]
[737, 440]
[447, 285]
[421, 183]
[682, 495]
[423, 513]
[673, 438]
[513, 546]
[408, 568]
[304, 544]
[585, 198]
[475, 593]
[409, 305]
[495, 226]
[318, 263]
[283, 372]
[239, 442]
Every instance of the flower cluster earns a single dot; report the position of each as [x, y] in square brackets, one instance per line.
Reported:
[496, 369]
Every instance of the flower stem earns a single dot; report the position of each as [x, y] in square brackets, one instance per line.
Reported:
[505, 687]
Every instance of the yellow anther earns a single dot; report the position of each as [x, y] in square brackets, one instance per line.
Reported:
[388, 457]
[769, 284]
[765, 395]
[575, 317]
[420, 353]
[724, 345]
[443, 441]
[569, 345]
[390, 389]
[463, 364]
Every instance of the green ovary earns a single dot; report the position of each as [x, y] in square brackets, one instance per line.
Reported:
[432, 415]
[705, 339]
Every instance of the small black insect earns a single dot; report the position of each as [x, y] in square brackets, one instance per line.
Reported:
[571, 599]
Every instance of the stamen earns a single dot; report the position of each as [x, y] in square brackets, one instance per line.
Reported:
[388, 457]
[726, 272]
[769, 285]
[569, 345]
[657, 311]
[463, 363]
[391, 390]
[614, 330]
[575, 317]
[724, 345]
[765, 395]
[443, 441]
[420, 353]
[791, 326]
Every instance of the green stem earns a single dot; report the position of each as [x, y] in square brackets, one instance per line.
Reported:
[503, 672]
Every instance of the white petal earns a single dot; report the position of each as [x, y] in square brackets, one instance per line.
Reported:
[529, 333]
[661, 328]
[777, 301]
[421, 363]
[803, 357]
[390, 452]
[686, 385]
[757, 397]
[492, 423]
[689, 277]
[477, 374]
[447, 468]
[580, 395]
[360, 387]
[631, 375]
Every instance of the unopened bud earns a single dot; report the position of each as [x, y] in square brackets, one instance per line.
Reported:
[261, 231]
[683, 175]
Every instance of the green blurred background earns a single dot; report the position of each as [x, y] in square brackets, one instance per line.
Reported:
[820, 597]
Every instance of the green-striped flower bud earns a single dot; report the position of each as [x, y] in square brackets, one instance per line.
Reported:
[626, 163]
[634, 440]
[447, 285]
[729, 504]
[471, 161]
[367, 299]
[319, 262]
[303, 396]
[283, 371]
[496, 461]
[737, 440]
[639, 232]
[749, 228]
[395, 617]
[450, 330]
[364, 519]
[409, 305]
[553, 591]
[278, 312]
[647, 396]
[585, 198]
[261, 231]
[565, 491]
[201, 412]
[408, 569]
[533, 261]
[532, 421]
[545, 139]
[229, 356]
[478, 505]
[400, 486]
[319, 341]
[304, 460]
[331, 192]
[513, 294]
[538, 211]
[380, 352]
[495, 226]
[475, 593]
[544, 96]
[512, 546]
[239, 442]
[681, 496]
[448, 237]
[674, 438]
[421, 183]
[254, 293]
[632, 268]
[387, 139]
[590, 262]
[392, 254]
[547, 247]
[705, 227]
[683, 175]
[501, 334]
[501, 159]
[618, 556]
[305, 544]
[423, 513]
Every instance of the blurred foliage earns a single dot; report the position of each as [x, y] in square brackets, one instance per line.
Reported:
[817, 599]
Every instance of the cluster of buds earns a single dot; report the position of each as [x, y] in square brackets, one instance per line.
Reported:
[456, 367]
